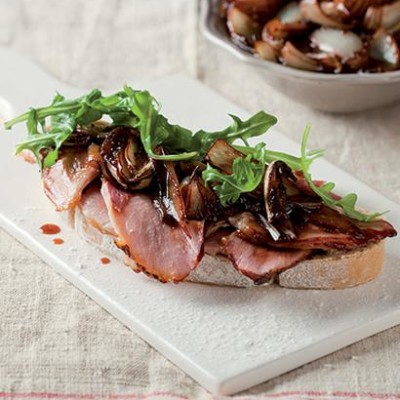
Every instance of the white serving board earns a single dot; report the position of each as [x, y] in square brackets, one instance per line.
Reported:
[227, 339]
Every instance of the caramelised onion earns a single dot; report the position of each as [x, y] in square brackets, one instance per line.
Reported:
[311, 11]
[357, 8]
[289, 22]
[290, 13]
[221, 155]
[275, 197]
[334, 10]
[200, 201]
[167, 194]
[251, 229]
[337, 48]
[241, 25]
[171, 195]
[84, 135]
[192, 197]
[333, 221]
[265, 50]
[274, 190]
[340, 45]
[387, 16]
[258, 9]
[385, 49]
[275, 44]
[213, 227]
[189, 167]
[125, 160]
[334, 41]
[293, 57]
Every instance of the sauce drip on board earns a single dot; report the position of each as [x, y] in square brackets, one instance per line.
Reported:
[105, 260]
[50, 229]
[58, 241]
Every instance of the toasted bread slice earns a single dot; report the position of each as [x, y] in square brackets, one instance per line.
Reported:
[336, 270]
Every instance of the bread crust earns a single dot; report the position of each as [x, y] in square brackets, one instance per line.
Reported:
[337, 270]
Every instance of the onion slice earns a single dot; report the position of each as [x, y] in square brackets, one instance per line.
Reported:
[387, 17]
[344, 44]
[311, 11]
[242, 25]
[258, 9]
[337, 49]
[265, 50]
[293, 57]
[385, 49]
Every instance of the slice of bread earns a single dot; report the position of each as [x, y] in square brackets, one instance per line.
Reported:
[337, 270]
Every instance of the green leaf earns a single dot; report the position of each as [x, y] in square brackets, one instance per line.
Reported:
[139, 110]
[247, 174]
[327, 187]
[155, 128]
[32, 122]
[256, 125]
[346, 203]
[132, 108]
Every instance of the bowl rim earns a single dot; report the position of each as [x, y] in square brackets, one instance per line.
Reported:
[210, 31]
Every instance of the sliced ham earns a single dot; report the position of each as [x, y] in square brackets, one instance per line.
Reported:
[94, 210]
[260, 263]
[316, 237]
[213, 243]
[376, 230]
[65, 181]
[327, 230]
[162, 251]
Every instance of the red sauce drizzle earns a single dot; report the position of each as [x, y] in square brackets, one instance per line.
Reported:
[58, 241]
[105, 260]
[50, 229]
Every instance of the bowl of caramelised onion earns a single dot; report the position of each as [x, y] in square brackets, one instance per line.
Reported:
[338, 56]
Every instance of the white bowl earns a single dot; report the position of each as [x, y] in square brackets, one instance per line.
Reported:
[334, 93]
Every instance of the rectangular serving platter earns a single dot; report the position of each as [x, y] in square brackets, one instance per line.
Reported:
[227, 339]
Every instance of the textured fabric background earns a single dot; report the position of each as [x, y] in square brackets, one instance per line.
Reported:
[57, 343]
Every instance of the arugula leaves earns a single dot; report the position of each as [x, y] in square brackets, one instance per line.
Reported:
[347, 203]
[50, 127]
[247, 174]
[132, 108]
[256, 125]
[156, 130]
[64, 116]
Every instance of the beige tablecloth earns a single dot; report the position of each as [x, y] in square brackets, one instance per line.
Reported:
[57, 343]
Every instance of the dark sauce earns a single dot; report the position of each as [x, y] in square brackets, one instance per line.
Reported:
[50, 229]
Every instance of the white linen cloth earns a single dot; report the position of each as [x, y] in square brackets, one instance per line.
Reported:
[57, 343]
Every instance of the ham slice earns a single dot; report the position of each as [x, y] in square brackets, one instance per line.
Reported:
[213, 243]
[327, 230]
[94, 210]
[65, 181]
[376, 230]
[260, 263]
[165, 252]
[316, 237]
